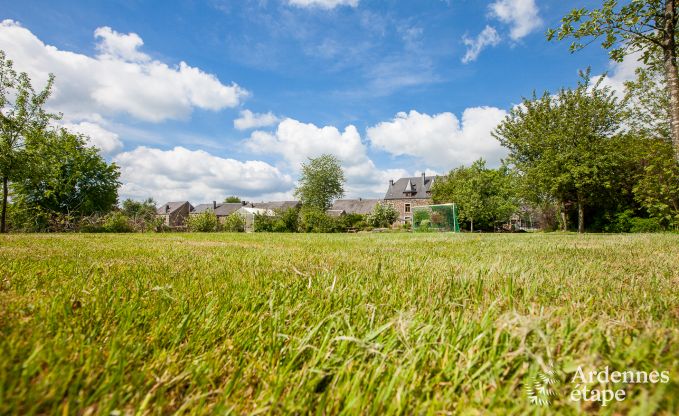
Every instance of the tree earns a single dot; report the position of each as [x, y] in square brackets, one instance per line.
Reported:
[382, 216]
[322, 181]
[232, 199]
[566, 143]
[140, 213]
[484, 196]
[646, 26]
[68, 178]
[22, 119]
[657, 187]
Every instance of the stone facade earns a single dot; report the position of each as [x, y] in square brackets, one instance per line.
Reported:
[405, 208]
[174, 214]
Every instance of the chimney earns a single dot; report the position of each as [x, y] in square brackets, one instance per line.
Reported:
[424, 178]
[244, 203]
[391, 182]
[214, 204]
[167, 208]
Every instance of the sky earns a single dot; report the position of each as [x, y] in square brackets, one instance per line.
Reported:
[198, 100]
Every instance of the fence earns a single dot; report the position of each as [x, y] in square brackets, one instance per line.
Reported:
[441, 217]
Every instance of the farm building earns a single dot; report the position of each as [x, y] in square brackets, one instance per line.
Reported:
[408, 193]
[249, 213]
[275, 205]
[352, 206]
[174, 214]
[221, 210]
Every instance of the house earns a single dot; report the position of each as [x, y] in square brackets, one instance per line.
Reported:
[221, 210]
[353, 206]
[174, 214]
[276, 205]
[407, 193]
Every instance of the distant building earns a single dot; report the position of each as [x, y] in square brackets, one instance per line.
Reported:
[353, 206]
[174, 214]
[275, 205]
[407, 193]
[221, 210]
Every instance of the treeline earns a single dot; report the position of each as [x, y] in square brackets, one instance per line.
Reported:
[579, 159]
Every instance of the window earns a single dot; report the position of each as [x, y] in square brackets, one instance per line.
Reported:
[407, 208]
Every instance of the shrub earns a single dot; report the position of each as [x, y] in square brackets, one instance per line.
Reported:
[203, 223]
[263, 223]
[382, 216]
[313, 220]
[116, 222]
[645, 225]
[419, 216]
[234, 223]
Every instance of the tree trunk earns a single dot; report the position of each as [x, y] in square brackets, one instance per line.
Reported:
[581, 215]
[671, 70]
[472, 225]
[564, 218]
[3, 219]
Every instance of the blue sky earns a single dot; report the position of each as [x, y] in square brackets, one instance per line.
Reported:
[203, 99]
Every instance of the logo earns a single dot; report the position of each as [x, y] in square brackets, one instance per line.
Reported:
[540, 388]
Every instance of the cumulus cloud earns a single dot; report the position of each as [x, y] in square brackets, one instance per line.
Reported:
[441, 140]
[195, 175]
[323, 4]
[106, 141]
[523, 16]
[249, 120]
[296, 141]
[621, 72]
[488, 37]
[119, 79]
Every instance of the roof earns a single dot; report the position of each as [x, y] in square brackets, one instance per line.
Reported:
[355, 206]
[227, 208]
[200, 208]
[275, 205]
[410, 188]
[170, 207]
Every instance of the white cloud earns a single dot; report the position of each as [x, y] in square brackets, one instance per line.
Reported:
[195, 175]
[107, 141]
[323, 4]
[488, 37]
[522, 16]
[621, 72]
[249, 120]
[441, 140]
[296, 141]
[120, 79]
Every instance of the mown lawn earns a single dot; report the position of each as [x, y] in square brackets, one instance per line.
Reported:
[329, 324]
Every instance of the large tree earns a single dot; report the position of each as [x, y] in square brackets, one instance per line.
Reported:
[566, 143]
[22, 120]
[648, 27]
[485, 197]
[321, 182]
[67, 178]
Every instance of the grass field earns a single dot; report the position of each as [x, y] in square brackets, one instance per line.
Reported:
[328, 324]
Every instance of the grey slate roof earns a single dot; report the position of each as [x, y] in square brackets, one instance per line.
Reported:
[410, 188]
[335, 212]
[275, 205]
[200, 208]
[355, 206]
[170, 207]
[227, 208]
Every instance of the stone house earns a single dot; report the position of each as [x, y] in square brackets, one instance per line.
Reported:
[221, 210]
[353, 206]
[174, 214]
[408, 193]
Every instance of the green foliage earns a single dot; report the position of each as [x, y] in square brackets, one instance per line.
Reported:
[234, 223]
[264, 223]
[142, 215]
[567, 146]
[68, 177]
[657, 188]
[232, 199]
[382, 216]
[420, 215]
[313, 220]
[117, 222]
[321, 182]
[204, 222]
[351, 222]
[485, 197]
[645, 225]
[23, 120]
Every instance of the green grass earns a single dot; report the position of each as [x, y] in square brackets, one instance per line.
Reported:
[329, 324]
